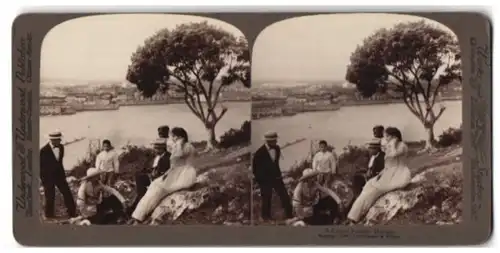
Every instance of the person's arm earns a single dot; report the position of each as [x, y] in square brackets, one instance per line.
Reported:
[254, 163]
[177, 150]
[189, 150]
[116, 162]
[114, 192]
[397, 149]
[81, 196]
[169, 145]
[331, 194]
[297, 194]
[97, 164]
[315, 161]
[333, 163]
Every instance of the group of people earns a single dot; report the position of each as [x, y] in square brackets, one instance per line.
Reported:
[386, 171]
[98, 202]
[171, 170]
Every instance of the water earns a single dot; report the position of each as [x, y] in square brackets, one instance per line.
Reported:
[136, 125]
[352, 124]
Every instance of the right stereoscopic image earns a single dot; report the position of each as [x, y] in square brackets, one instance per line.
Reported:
[356, 119]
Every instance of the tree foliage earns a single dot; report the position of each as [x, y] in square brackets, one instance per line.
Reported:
[413, 59]
[196, 59]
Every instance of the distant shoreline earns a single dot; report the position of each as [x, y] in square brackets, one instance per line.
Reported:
[381, 102]
[130, 105]
[274, 114]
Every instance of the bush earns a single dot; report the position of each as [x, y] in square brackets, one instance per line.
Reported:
[452, 136]
[353, 159]
[236, 137]
[199, 145]
[135, 158]
[81, 167]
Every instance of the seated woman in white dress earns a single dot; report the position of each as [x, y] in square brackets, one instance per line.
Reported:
[182, 175]
[395, 175]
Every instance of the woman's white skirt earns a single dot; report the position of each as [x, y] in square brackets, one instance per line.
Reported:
[178, 178]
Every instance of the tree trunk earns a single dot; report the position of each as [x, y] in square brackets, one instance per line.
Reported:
[430, 142]
[211, 140]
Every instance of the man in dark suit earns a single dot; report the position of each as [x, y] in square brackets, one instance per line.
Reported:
[375, 165]
[377, 159]
[52, 175]
[267, 173]
[161, 164]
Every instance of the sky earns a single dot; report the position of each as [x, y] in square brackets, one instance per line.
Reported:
[315, 48]
[99, 47]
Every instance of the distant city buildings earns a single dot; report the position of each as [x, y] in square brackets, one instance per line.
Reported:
[55, 100]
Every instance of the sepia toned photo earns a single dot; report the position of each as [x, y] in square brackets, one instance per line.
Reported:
[145, 119]
[356, 119]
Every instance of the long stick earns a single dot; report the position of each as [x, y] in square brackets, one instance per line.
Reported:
[251, 202]
[288, 144]
[73, 141]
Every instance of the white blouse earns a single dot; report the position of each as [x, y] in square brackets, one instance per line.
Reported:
[107, 161]
[325, 162]
[182, 154]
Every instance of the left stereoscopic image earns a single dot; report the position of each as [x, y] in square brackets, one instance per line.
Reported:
[145, 119]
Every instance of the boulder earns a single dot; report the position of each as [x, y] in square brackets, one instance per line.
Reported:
[391, 203]
[436, 186]
[174, 205]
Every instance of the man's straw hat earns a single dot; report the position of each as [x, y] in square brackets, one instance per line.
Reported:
[160, 143]
[270, 136]
[91, 173]
[56, 135]
[374, 143]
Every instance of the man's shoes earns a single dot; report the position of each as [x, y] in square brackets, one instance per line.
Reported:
[291, 221]
[51, 216]
[266, 219]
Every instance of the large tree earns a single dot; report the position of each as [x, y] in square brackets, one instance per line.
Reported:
[412, 59]
[196, 59]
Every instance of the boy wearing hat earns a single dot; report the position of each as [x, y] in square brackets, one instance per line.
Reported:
[267, 172]
[52, 175]
[161, 164]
